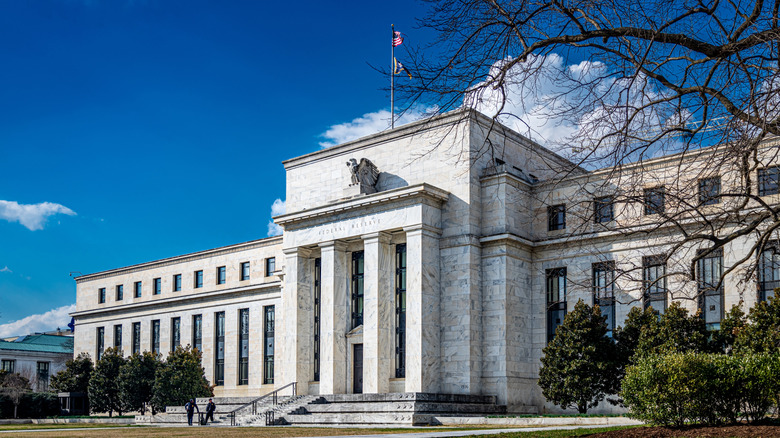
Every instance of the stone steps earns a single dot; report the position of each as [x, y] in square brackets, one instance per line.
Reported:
[389, 409]
[402, 406]
[291, 405]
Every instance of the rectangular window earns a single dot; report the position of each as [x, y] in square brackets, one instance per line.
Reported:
[118, 337]
[138, 289]
[654, 282]
[198, 279]
[219, 348]
[556, 299]
[654, 200]
[400, 310]
[556, 217]
[768, 271]
[136, 338]
[120, 292]
[244, 271]
[156, 336]
[357, 288]
[175, 333]
[101, 295]
[268, 345]
[100, 342]
[9, 365]
[221, 275]
[243, 350]
[177, 283]
[709, 190]
[602, 209]
[317, 313]
[604, 291]
[710, 288]
[42, 372]
[157, 283]
[769, 181]
[270, 266]
[197, 332]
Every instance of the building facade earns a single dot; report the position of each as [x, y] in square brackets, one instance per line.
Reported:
[36, 357]
[437, 257]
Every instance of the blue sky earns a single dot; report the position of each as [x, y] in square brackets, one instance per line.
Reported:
[157, 128]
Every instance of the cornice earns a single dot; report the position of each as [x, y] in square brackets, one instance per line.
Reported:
[423, 190]
[269, 241]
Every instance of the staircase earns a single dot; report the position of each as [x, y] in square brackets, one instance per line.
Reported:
[395, 409]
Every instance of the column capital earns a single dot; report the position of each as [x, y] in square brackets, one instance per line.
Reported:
[299, 251]
[423, 229]
[334, 245]
[381, 236]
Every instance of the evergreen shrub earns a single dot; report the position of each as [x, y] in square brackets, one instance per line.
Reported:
[681, 388]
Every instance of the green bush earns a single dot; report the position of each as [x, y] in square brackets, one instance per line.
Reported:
[680, 388]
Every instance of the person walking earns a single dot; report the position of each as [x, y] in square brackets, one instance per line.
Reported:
[210, 408]
[190, 407]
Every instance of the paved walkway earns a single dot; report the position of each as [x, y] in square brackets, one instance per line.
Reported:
[455, 433]
[431, 434]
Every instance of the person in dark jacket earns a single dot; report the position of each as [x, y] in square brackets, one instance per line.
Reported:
[190, 407]
[210, 408]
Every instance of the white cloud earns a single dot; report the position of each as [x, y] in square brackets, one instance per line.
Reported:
[370, 123]
[6, 269]
[277, 208]
[32, 216]
[571, 108]
[38, 323]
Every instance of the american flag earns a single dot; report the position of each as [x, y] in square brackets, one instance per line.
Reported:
[397, 39]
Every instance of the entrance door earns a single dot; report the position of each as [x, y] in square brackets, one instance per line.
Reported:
[357, 373]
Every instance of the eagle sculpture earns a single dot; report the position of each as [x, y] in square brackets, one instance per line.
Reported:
[364, 173]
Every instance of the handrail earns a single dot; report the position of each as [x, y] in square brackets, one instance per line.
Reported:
[273, 394]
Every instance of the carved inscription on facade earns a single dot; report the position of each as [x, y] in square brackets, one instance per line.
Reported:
[352, 228]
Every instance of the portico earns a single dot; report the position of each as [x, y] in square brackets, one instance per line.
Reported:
[377, 289]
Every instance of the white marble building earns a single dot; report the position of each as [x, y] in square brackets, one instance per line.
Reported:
[446, 274]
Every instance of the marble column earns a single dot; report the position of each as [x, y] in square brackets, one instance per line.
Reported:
[334, 311]
[379, 298]
[294, 341]
[423, 337]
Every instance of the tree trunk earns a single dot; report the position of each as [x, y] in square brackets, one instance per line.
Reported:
[16, 406]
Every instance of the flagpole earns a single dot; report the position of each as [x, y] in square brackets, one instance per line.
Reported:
[392, 76]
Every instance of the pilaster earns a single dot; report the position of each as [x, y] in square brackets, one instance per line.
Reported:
[423, 338]
[334, 319]
[296, 318]
[379, 296]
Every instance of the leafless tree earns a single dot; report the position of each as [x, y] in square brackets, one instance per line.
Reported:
[15, 386]
[626, 81]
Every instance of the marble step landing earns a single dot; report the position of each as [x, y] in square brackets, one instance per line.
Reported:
[168, 418]
[345, 419]
[410, 396]
[226, 404]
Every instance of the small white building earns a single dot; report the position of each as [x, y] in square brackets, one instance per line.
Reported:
[437, 257]
[36, 357]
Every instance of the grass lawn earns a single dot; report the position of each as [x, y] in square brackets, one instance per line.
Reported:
[58, 426]
[270, 432]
